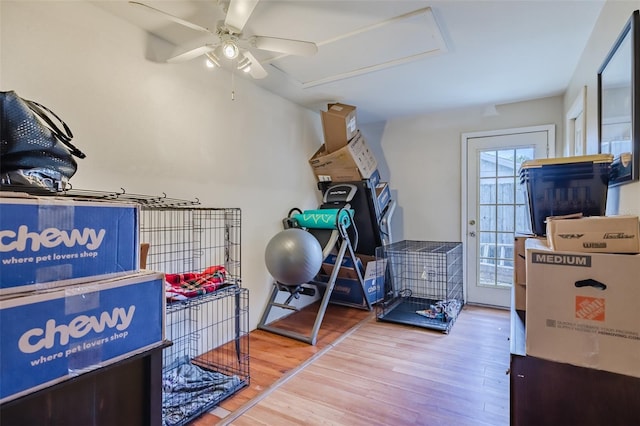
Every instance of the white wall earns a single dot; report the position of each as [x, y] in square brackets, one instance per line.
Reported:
[152, 128]
[624, 199]
[420, 157]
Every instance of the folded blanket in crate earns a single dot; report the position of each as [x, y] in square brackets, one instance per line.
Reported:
[192, 284]
[189, 390]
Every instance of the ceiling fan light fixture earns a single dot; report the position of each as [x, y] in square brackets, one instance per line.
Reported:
[230, 50]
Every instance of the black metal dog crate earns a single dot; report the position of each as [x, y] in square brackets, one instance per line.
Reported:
[423, 285]
[209, 358]
[207, 310]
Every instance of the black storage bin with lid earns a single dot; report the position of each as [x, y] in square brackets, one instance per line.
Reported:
[563, 186]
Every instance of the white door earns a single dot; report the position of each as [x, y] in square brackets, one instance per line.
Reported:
[496, 207]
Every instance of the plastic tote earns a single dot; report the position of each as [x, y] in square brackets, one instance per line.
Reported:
[562, 186]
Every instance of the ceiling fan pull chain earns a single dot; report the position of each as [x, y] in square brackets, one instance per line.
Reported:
[233, 86]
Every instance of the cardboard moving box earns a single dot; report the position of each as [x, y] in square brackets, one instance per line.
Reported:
[347, 290]
[582, 308]
[347, 269]
[520, 270]
[48, 337]
[519, 273]
[339, 125]
[48, 242]
[596, 234]
[353, 162]
[383, 196]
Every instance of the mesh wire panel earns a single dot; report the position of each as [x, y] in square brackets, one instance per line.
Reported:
[187, 239]
[209, 358]
[423, 284]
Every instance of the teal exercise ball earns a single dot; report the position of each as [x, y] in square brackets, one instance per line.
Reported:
[293, 256]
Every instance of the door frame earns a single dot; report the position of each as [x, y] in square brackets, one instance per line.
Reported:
[464, 163]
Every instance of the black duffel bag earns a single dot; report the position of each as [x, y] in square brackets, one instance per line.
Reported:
[35, 145]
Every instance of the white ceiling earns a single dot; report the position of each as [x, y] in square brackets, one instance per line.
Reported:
[442, 55]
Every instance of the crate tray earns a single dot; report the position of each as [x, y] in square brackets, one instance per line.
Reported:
[403, 311]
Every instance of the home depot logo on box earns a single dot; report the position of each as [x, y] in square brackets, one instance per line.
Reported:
[590, 308]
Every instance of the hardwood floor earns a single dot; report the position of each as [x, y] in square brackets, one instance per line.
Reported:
[378, 374]
[273, 357]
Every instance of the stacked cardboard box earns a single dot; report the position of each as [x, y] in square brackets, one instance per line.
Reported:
[595, 234]
[72, 295]
[582, 301]
[354, 161]
[519, 271]
[345, 155]
[347, 290]
[339, 125]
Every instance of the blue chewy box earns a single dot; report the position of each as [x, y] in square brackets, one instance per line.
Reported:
[48, 337]
[347, 290]
[52, 242]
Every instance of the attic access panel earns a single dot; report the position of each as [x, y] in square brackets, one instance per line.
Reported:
[398, 40]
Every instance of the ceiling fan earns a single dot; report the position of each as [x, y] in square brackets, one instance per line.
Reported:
[227, 40]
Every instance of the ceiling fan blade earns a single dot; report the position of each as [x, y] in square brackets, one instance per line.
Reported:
[191, 53]
[284, 45]
[174, 18]
[257, 70]
[238, 14]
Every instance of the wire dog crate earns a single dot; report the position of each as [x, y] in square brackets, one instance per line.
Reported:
[423, 285]
[209, 358]
[207, 311]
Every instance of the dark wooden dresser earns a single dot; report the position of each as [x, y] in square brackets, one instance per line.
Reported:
[125, 393]
[550, 393]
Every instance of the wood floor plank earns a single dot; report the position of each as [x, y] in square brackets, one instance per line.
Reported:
[380, 374]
